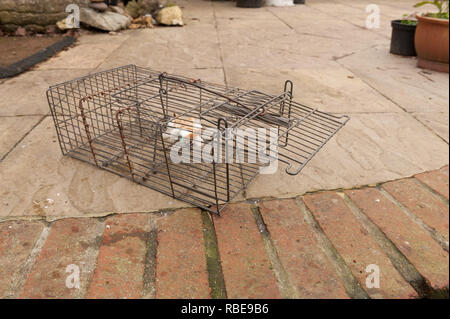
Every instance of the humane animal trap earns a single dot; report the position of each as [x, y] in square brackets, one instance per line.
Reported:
[129, 120]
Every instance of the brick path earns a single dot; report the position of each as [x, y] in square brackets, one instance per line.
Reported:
[313, 246]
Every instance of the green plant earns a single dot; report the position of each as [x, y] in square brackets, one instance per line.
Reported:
[407, 20]
[441, 5]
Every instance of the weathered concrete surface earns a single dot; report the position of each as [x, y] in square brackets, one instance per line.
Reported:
[25, 94]
[399, 124]
[106, 21]
[371, 148]
[324, 84]
[86, 56]
[437, 122]
[169, 47]
[38, 181]
[397, 78]
[13, 129]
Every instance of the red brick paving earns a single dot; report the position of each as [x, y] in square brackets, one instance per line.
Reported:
[121, 258]
[115, 262]
[66, 244]
[430, 209]
[16, 242]
[355, 245]
[414, 242]
[307, 266]
[181, 260]
[437, 180]
[246, 267]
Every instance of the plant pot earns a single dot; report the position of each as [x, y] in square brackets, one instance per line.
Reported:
[402, 39]
[249, 3]
[431, 42]
[299, 1]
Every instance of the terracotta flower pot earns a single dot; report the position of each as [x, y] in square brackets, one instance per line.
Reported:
[431, 43]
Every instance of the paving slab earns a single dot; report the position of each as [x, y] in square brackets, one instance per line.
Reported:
[84, 55]
[197, 12]
[398, 79]
[169, 47]
[354, 12]
[296, 42]
[437, 122]
[228, 10]
[371, 148]
[13, 129]
[25, 94]
[319, 84]
[348, 23]
[38, 181]
[99, 37]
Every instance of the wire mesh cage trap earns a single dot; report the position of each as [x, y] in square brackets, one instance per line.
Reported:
[130, 121]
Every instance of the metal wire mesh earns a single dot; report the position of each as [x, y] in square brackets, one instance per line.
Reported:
[117, 120]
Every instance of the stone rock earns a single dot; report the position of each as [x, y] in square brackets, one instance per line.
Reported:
[34, 28]
[20, 32]
[134, 26]
[138, 20]
[62, 25]
[106, 21]
[42, 12]
[8, 28]
[170, 16]
[99, 6]
[118, 10]
[50, 29]
[148, 21]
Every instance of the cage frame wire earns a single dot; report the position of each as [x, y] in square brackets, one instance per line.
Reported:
[116, 120]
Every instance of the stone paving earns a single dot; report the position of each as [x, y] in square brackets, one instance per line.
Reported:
[130, 241]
